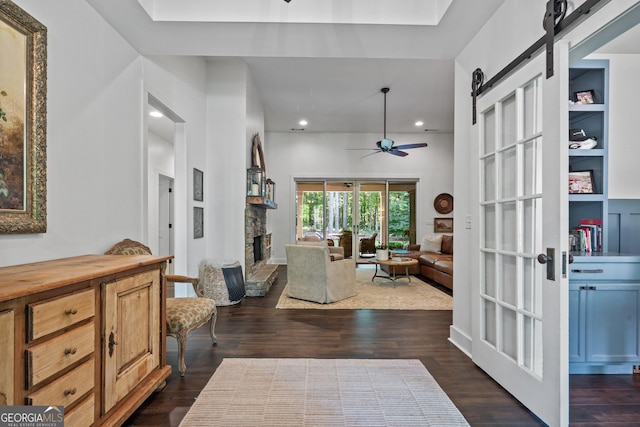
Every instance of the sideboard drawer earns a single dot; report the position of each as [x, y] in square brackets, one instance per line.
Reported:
[82, 415]
[52, 356]
[66, 389]
[604, 271]
[53, 315]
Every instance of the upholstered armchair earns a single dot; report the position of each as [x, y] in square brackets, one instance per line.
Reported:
[368, 244]
[345, 242]
[183, 314]
[312, 276]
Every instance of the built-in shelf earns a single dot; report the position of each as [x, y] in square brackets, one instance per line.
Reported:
[262, 201]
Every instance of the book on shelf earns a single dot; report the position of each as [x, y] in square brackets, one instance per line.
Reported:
[587, 236]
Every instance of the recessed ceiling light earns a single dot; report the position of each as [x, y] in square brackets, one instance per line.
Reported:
[419, 123]
[303, 122]
[155, 114]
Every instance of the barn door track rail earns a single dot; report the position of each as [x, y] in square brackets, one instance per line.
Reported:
[555, 22]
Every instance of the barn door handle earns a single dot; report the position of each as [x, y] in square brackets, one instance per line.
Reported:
[548, 259]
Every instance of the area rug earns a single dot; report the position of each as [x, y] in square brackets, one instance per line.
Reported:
[322, 392]
[380, 294]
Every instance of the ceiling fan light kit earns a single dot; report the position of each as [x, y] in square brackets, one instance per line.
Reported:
[386, 145]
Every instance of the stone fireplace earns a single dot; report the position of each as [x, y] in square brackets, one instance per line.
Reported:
[259, 274]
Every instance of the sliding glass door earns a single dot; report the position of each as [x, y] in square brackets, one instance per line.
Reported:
[359, 215]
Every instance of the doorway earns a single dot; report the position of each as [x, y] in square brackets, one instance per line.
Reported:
[166, 219]
[358, 215]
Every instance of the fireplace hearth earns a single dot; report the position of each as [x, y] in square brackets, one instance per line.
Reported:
[260, 275]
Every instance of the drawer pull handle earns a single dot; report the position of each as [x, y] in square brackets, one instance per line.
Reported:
[70, 350]
[599, 270]
[70, 311]
[71, 392]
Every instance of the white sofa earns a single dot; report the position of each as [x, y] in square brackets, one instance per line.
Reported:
[312, 276]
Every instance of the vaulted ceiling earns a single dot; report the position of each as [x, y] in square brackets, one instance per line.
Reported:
[321, 60]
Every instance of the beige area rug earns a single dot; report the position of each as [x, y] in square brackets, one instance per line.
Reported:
[322, 392]
[381, 295]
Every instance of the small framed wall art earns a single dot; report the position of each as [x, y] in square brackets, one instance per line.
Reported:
[198, 223]
[443, 225]
[198, 183]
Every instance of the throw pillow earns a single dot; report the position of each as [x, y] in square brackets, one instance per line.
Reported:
[447, 244]
[431, 243]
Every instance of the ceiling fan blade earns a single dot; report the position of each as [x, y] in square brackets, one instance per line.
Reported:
[397, 152]
[407, 146]
[375, 152]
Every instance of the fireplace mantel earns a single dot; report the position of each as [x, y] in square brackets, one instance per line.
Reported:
[262, 201]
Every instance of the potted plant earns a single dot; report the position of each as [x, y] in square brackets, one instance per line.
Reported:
[382, 253]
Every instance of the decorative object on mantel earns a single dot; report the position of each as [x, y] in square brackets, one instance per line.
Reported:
[443, 203]
[270, 190]
[257, 156]
[255, 182]
[23, 111]
[261, 191]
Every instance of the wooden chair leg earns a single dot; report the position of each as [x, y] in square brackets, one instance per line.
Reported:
[182, 346]
[214, 317]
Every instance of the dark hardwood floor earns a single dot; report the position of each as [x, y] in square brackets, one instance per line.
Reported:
[254, 328]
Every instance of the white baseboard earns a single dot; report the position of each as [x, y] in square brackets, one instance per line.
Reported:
[460, 340]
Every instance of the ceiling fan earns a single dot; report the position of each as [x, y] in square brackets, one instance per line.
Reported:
[386, 145]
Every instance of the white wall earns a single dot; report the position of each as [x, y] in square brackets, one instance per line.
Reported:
[323, 155]
[179, 83]
[623, 121]
[94, 182]
[234, 115]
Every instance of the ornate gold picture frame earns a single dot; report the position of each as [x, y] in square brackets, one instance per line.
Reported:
[23, 121]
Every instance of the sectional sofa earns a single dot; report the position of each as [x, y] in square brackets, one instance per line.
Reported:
[435, 259]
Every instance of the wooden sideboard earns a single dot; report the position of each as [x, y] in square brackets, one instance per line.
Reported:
[85, 332]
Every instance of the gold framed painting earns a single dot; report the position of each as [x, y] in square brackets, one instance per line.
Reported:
[23, 121]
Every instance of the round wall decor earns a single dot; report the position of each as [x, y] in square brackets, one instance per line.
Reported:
[443, 203]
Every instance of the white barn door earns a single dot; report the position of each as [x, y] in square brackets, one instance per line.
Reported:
[520, 334]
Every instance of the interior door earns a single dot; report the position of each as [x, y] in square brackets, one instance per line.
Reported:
[165, 219]
[520, 332]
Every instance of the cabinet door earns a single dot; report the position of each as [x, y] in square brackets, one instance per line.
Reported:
[131, 344]
[6, 355]
[612, 323]
[576, 323]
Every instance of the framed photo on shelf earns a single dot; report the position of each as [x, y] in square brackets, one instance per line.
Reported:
[198, 182]
[443, 225]
[585, 97]
[581, 182]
